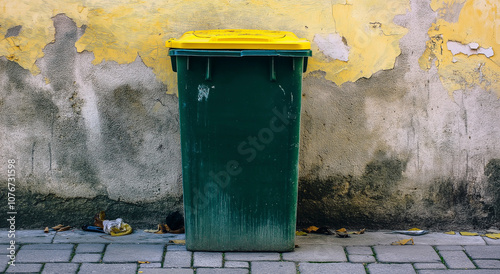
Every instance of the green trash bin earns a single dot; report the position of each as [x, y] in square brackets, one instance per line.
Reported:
[239, 103]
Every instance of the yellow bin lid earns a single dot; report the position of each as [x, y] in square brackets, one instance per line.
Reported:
[239, 39]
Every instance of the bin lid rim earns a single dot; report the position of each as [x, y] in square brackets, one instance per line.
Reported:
[239, 39]
[239, 53]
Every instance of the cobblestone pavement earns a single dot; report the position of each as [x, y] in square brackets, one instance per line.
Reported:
[86, 252]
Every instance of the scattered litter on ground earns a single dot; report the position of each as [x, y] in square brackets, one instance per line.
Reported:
[178, 242]
[300, 233]
[46, 230]
[143, 262]
[450, 233]
[404, 242]
[112, 227]
[93, 228]
[57, 228]
[465, 233]
[411, 232]
[342, 233]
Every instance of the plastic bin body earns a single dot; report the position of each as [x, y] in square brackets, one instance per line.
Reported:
[240, 121]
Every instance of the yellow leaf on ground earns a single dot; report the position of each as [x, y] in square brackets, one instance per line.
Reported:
[404, 242]
[310, 229]
[342, 230]
[300, 233]
[493, 235]
[143, 262]
[414, 229]
[450, 233]
[463, 233]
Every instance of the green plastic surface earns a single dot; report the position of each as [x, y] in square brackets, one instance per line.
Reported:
[240, 121]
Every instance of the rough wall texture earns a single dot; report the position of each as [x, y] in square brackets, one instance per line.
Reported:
[399, 117]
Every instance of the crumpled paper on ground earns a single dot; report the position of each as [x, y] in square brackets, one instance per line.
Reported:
[116, 227]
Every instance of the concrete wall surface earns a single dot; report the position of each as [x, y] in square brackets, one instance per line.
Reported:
[400, 108]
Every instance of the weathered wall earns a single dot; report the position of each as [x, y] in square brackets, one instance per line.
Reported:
[399, 118]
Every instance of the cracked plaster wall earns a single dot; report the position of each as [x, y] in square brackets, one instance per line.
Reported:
[397, 128]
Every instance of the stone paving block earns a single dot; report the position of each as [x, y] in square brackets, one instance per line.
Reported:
[429, 266]
[166, 270]
[449, 247]
[43, 256]
[459, 271]
[60, 268]
[47, 247]
[406, 254]
[316, 253]
[221, 271]
[150, 265]
[331, 268]
[132, 253]
[236, 264]
[176, 248]
[207, 259]
[138, 236]
[24, 268]
[361, 258]
[488, 264]
[273, 267]
[90, 248]
[391, 268]
[3, 264]
[483, 252]
[456, 259]
[86, 258]
[491, 241]
[27, 236]
[177, 259]
[108, 268]
[359, 250]
[4, 250]
[252, 256]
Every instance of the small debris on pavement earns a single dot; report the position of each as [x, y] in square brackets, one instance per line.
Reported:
[143, 262]
[300, 233]
[46, 230]
[178, 242]
[404, 242]
[494, 236]
[450, 233]
[411, 232]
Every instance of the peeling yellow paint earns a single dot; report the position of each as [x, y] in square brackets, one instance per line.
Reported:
[373, 38]
[121, 31]
[478, 22]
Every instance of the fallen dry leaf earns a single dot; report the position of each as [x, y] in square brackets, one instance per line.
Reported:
[450, 233]
[310, 229]
[342, 230]
[414, 229]
[64, 228]
[300, 233]
[143, 262]
[57, 227]
[404, 242]
[179, 242]
[464, 233]
[493, 235]
[46, 230]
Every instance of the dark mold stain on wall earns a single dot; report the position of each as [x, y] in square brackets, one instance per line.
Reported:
[492, 171]
[371, 199]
